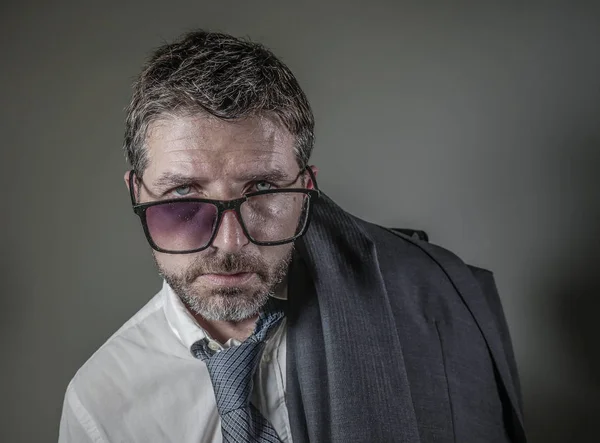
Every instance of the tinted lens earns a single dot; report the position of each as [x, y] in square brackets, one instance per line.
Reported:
[181, 226]
[275, 217]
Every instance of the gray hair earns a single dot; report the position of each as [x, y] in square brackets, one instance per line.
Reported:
[224, 76]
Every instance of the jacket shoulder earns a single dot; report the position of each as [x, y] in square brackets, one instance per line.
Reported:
[399, 247]
[402, 246]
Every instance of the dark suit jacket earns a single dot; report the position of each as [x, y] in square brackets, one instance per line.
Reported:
[391, 339]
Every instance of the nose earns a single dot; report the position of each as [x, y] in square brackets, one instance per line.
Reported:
[230, 235]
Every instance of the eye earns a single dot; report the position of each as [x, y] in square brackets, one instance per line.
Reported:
[182, 191]
[263, 186]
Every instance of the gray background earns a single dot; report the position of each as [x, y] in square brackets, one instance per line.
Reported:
[476, 122]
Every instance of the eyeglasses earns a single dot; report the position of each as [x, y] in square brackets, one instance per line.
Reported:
[186, 225]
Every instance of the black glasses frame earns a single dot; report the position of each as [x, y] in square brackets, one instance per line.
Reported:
[223, 206]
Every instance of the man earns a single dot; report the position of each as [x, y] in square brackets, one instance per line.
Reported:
[269, 328]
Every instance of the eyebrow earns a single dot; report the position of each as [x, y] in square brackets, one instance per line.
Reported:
[272, 175]
[174, 179]
[171, 179]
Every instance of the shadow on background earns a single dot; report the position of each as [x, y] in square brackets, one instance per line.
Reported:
[572, 413]
[10, 304]
[13, 309]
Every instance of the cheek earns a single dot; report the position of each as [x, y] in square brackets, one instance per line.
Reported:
[173, 263]
[274, 255]
[177, 264]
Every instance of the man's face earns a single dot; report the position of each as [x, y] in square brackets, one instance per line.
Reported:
[203, 157]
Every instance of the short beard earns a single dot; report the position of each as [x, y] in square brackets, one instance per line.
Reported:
[229, 303]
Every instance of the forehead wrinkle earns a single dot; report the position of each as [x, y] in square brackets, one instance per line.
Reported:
[210, 130]
[196, 144]
[212, 165]
[232, 169]
[229, 158]
[220, 149]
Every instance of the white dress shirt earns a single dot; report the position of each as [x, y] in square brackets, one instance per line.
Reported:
[144, 385]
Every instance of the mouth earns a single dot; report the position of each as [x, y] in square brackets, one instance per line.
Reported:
[228, 279]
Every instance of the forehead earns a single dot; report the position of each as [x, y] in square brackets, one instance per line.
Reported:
[205, 146]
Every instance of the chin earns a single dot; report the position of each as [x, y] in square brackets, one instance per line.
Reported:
[226, 304]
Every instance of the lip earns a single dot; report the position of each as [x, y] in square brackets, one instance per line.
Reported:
[228, 279]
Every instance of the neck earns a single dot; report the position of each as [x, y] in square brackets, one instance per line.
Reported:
[224, 330]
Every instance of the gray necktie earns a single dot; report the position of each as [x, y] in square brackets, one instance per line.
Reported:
[231, 371]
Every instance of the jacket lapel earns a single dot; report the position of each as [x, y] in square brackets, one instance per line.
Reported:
[306, 360]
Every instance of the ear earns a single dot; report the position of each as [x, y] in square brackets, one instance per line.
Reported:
[315, 171]
[126, 178]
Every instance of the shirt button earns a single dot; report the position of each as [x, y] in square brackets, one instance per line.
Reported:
[266, 358]
[213, 346]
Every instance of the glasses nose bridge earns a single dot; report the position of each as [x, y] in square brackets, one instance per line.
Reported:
[225, 206]
[230, 205]
[235, 233]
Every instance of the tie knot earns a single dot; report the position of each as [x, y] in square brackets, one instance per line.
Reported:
[231, 370]
[269, 317]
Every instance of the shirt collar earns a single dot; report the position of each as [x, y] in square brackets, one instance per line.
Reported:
[184, 325]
